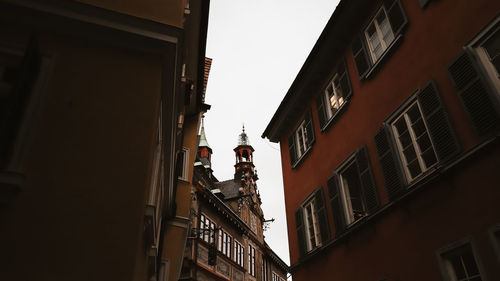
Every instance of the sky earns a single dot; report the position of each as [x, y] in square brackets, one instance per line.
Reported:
[258, 48]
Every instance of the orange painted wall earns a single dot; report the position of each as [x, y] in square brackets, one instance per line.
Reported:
[433, 39]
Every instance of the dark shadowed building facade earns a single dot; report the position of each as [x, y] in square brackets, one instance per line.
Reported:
[390, 144]
[100, 106]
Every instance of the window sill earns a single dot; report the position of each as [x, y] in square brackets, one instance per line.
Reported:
[304, 156]
[383, 58]
[10, 186]
[335, 116]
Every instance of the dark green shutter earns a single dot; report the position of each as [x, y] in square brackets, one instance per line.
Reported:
[389, 163]
[396, 15]
[291, 148]
[301, 235]
[367, 182]
[309, 129]
[320, 106]
[345, 84]
[359, 53]
[336, 204]
[474, 94]
[322, 215]
[440, 130]
[13, 106]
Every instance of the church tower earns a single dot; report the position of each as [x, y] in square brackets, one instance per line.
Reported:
[244, 166]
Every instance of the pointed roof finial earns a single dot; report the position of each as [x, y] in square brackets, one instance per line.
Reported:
[243, 138]
[203, 137]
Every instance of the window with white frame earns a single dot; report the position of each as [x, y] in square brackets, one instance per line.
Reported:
[413, 142]
[239, 253]
[184, 165]
[460, 264]
[224, 243]
[488, 50]
[207, 229]
[352, 193]
[311, 220]
[276, 277]
[384, 29]
[379, 34]
[334, 95]
[265, 269]
[301, 139]
[251, 260]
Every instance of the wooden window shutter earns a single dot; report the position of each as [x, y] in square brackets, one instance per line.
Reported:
[301, 235]
[322, 215]
[291, 148]
[474, 94]
[320, 106]
[345, 84]
[396, 15]
[388, 162]
[367, 182]
[336, 204]
[13, 106]
[360, 56]
[440, 130]
[309, 128]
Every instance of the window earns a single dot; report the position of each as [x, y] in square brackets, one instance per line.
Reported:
[475, 74]
[251, 260]
[336, 94]
[458, 263]
[207, 229]
[276, 277]
[312, 222]
[352, 190]
[416, 137]
[184, 164]
[413, 142]
[224, 243]
[301, 140]
[239, 253]
[265, 269]
[378, 37]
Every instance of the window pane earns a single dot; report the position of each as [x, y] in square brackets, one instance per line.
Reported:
[424, 142]
[492, 45]
[429, 157]
[410, 154]
[458, 269]
[405, 139]
[414, 168]
[401, 126]
[414, 113]
[418, 127]
[470, 264]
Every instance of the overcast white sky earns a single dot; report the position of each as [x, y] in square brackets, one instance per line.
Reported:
[257, 47]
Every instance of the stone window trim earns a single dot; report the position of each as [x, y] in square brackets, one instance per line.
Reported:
[465, 245]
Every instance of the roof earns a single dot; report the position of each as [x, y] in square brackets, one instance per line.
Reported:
[230, 188]
[344, 24]
[203, 138]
